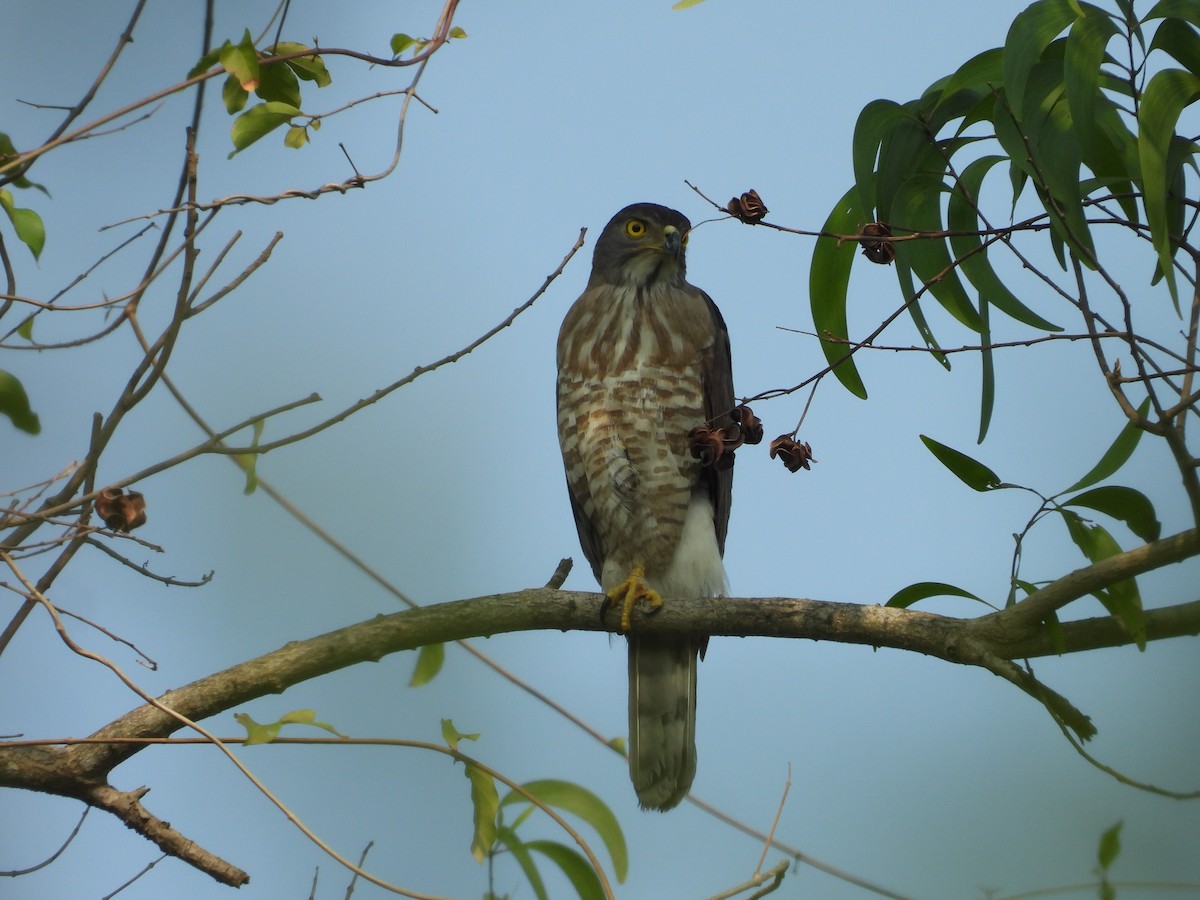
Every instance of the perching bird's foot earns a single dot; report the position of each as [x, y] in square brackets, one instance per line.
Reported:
[629, 592]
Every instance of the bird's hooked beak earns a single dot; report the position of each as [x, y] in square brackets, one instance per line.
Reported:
[672, 242]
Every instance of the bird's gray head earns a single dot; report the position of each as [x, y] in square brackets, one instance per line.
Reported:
[642, 245]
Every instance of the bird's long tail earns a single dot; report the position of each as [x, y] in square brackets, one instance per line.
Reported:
[662, 718]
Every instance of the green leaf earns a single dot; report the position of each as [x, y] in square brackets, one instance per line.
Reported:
[520, 852]
[206, 62]
[457, 33]
[14, 403]
[1081, 64]
[308, 68]
[429, 663]
[970, 472]
[962, 216]
[1178, 39]
[257, 733]
[987, 389]
[259, 121]
[906, 597]
[296, 137]
[587, 806]
[279, 82]
[26, 223]
[1116, 455]
[233, 95]
[241, 61]
[828, 279]
[7, 154]
[1188, 10]
[687, 4]
[452, 735]
[1028, 36]
[485, 802]
[1110, 846]
[1121, 598]
[876, 119]
[249, 461]
[984, 70]
[1124, 503]
[400, 43]
[909, 292]
[25, 329]
[1165, 97]
[574, 865]
[917, 207]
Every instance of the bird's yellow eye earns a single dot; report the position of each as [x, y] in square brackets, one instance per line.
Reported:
[635, 228]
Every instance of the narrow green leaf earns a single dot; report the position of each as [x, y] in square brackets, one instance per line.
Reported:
[452, 735]
[906, 150]
[574, 865]
[1030, 33]
[828, 279]
[26, 223]
[917, 207]
[14, 403]
[1081, 64]
[1110, 846]
[987, 386]
[1116, 455]
[983, 70]
[909, 292]
[241, 61]
[874, 122]
[520, 852]
[308, 68]
[1180, 40]
[260, 120]
[307, 717]
[249, 461]
[587, 806]
[686, 4]
[7, 154]
[1165, 97]
[429, 663]
[1188, 10]
[970, 472]
[1054, 630]
[922, 590]
[485, 802]
[1125, 504]
[962, 216]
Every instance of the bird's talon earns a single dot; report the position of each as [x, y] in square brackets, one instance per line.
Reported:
[629, 592]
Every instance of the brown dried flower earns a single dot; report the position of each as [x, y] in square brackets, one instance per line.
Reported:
[121, 511]
[751, 426]
[708, 446]
[794, 454]
[882, 252]
[749, 207]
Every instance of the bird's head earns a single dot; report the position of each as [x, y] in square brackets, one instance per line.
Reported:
[642, 245]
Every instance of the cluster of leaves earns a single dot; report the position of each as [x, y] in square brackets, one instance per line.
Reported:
[28, 227]
[276, 83]
[491, 834]
[1123, 504]
[402, 43]
[1052, 107]
[1095, 140]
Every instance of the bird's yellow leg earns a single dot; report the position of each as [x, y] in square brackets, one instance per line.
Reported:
[630, 591]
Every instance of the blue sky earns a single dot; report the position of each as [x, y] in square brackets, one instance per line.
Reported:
[930, 780]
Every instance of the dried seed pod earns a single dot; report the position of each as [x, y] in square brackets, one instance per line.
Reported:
[707, 445]
[751, 425]
[121, 511]
[881, 252]
[748, 208]
[791, 452]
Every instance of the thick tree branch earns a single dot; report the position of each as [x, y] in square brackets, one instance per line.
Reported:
[991, 642]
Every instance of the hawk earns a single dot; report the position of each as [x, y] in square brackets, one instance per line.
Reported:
[643, 359]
